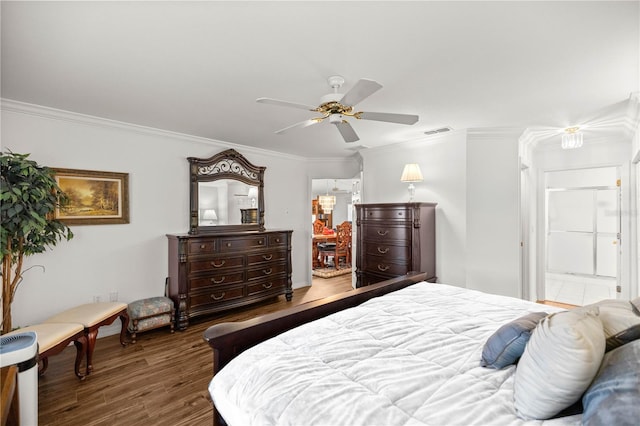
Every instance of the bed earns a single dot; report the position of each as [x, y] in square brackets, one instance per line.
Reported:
[411, 356]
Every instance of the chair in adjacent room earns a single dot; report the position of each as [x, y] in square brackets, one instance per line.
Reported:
[318, 226]
[342, 247]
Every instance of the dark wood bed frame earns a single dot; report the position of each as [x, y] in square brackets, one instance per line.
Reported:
[229, 339]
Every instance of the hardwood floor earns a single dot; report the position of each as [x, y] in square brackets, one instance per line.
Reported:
[160, 380]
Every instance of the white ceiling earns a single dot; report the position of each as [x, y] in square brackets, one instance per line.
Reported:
[198, 67]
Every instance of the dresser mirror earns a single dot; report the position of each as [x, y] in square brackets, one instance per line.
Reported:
[226, 194]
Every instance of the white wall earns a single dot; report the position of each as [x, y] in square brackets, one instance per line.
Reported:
[473, 176]
[493, 243]
[443, 163]
[132, 258]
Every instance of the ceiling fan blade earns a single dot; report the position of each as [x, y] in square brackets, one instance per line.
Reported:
[347, 132]
[363, 89]
[300, 125]
[285, 104]
[388, 117]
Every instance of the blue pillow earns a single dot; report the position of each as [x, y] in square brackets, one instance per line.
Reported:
[614, 395]
[507, 344]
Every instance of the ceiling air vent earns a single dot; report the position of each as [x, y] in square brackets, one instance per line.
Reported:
[440, 130]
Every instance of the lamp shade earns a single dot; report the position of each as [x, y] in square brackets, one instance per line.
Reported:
[253, 192]
[209, 214]
[411, 173]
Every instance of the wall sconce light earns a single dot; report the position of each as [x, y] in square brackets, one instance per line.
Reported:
[411, 173]
[210, 216]
[572, 138]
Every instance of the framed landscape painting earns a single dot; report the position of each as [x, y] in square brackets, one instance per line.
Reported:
[95, 198]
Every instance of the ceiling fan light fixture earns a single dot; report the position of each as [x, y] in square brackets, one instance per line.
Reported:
[335, 118]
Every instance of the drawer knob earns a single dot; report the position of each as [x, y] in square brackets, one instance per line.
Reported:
[383, 250]
[267, 271]
[218, 265]
[260, 242]
[214, 297]
[228, 244]
[269, 285]
[267, 256]
[382, 268]
[383, 233]
[203, 246]
[221, 280]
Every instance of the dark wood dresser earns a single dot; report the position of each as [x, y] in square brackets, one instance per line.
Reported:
[393, 239]
[215, 272]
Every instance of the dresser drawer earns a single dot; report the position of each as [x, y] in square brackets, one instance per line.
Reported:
[384, 266]
[268, 270]
[386, 232]
[215, 263]
[217, 279]
[201, 246]
[386, 251]
[386, 213]
[242, 244]
[277, 240]
[275, 285]
[272, 256]
[221, 294]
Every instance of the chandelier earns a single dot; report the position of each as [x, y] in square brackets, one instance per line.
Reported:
[327, 201]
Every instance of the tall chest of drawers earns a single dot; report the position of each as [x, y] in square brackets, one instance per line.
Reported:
[393, 239]
[211, 273]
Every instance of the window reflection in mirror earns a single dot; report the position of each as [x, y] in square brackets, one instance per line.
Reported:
[226, 202]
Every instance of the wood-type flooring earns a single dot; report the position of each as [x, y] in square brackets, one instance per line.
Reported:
[160, 380]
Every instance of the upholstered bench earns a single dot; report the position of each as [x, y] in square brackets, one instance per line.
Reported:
[92, 316]
[53, 338]
[150, 313]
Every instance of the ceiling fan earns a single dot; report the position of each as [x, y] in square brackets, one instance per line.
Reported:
[336, 106]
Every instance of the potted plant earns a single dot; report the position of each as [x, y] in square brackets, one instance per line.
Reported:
[29, 195]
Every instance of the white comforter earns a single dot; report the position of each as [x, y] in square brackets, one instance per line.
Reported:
[411, 357]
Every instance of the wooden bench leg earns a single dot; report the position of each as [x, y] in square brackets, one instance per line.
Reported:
[124, 317]
[92, 334]
[81, 350]
[79, 340]
[43, 365]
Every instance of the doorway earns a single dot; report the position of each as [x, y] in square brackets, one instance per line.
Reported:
[325, 222]
[582, 235]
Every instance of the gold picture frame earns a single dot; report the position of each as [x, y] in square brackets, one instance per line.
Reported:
[95, 198]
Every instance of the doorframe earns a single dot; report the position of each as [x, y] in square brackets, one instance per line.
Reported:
[537, 263]
[359, 176]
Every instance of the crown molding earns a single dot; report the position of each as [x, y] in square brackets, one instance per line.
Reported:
[18, 107]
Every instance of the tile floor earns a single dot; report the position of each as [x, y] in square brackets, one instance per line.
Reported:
[578, 290]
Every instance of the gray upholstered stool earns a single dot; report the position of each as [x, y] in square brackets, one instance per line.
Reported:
[150, 313]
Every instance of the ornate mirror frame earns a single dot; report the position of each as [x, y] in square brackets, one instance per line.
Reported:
[229, 164]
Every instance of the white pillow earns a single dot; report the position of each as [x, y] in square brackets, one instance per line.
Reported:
[559, 362]
[616, 315]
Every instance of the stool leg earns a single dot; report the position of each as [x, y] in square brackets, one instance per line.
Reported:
[135, 330]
